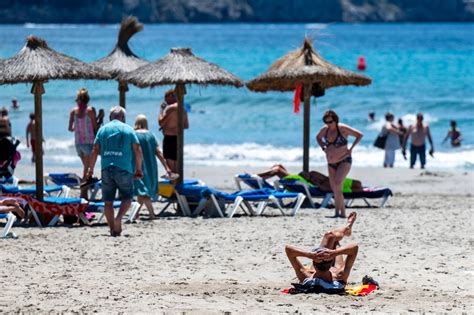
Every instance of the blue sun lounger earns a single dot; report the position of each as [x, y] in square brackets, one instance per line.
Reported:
[226, 204]
[291, 185]
[72, 181]
[48, 190]
[313, 192]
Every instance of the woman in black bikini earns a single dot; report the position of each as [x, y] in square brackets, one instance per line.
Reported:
[333, 140]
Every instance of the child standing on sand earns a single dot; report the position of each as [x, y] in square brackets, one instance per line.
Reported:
[31, 136]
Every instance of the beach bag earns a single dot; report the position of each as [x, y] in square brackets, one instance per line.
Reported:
[380, 142]
[316, 90]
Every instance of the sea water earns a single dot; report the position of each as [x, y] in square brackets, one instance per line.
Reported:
[414, 67]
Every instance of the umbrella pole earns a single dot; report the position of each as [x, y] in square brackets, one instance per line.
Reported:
[38, 91]
[123, 88]
[306, 126]
[180, 94]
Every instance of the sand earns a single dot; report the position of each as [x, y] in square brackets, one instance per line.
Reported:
[419, 248]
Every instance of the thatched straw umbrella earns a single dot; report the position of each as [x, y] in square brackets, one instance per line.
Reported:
[37, 63]
[181, 67]
[305, 66]
[122, 59]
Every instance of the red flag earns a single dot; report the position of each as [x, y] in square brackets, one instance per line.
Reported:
[297, 99]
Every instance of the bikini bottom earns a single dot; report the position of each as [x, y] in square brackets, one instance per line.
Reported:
[347, 159]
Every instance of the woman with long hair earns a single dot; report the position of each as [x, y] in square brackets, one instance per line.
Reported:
[83, 122]
[332, 138]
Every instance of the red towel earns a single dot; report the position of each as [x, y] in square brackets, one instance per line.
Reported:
[297, 99]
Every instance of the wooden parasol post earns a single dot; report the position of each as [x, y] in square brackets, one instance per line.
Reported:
[180, 90]
[306, 125]
[123, 88]
[38, 91]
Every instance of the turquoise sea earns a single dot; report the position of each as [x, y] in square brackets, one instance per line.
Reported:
[415, 68]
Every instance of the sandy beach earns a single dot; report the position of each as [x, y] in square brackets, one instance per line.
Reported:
[419, 248]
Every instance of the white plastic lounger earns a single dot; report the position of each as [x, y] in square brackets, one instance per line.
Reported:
[11, 218]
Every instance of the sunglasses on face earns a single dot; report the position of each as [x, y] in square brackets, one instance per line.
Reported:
[328, 122]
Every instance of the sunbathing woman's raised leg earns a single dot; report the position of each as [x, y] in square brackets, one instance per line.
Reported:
[276, 170]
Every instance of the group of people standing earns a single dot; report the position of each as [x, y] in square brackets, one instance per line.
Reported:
[397, 137]
[128, 155]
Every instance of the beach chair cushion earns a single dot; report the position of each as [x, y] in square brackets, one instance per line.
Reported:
[29, 190]
[54, 205]
[370, 193]
[254, 183]
[294, 185]
[68, 179]
[166, 187]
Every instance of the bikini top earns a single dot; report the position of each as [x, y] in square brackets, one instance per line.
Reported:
[338, 142]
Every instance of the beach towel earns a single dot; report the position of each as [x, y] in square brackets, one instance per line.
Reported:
[315, 285]
[362, 290]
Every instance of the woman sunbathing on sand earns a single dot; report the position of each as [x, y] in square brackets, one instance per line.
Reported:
[328, 261]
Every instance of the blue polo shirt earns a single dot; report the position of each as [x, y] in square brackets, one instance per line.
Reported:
[115, 140]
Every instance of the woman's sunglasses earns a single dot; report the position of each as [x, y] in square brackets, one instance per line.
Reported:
[328, 122]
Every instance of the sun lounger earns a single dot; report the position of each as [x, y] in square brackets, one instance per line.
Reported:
[49, 190]
[10, 181]
[252, 180]
[72, 181]
[226, 204]
[313, 192]
[11, 218]
[369, 193]
[53, 207]
[99, 207]
[166, 194]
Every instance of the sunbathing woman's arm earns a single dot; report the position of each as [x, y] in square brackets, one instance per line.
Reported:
[293, 252]
[350, 250]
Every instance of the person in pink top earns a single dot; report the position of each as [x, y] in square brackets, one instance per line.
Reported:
[83, 122]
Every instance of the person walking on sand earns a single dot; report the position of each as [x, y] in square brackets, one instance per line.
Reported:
[31, 136]
[418, 132]
[328, 258]
[147, 186]
[83, 122]
[454, 134]
[168, 121]
[332, 138]
[118, 146]
[5, 124]
[393, 140]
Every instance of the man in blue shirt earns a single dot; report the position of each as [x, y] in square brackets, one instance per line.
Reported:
[116, 141]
